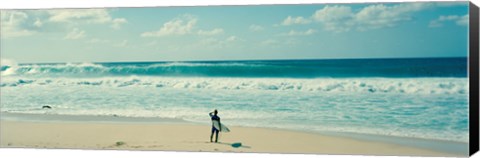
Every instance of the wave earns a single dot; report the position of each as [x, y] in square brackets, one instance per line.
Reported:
[356, 85]
[8, 67]
[392, 68]
[161, 69]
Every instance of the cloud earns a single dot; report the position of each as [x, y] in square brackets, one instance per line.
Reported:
[381, 16]
[335, 18]
[73, 16]
[15, 24]
[116, 23]
[182, 25]
[75, 34]
[343, 18]
[300, 33]
[297, 20]
[340, 18]
[254, 27]
[95, 16]
[459, 20]
[179, 26]
[30, 22]
[38, 23]
[232, 38]
[463, 21]
[218, 43]
[216, 31]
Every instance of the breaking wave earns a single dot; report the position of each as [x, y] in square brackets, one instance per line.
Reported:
[389, 68]
[362, 85]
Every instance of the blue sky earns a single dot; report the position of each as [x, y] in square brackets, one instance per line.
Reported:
[374, 30]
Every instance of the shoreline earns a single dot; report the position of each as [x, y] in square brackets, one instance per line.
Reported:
[59, 134]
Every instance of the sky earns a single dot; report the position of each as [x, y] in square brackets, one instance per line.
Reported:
[316, 31]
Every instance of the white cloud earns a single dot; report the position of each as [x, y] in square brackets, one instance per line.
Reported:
[333, 13]
[97, 16]
[38, 23]
[381, 16]
[300, 33]
[14, 24]
[295, 20]
[217, 43]
[254, 27]
[459, 20]
[232, 38]
[463, 21]
[116, 23]
[75, 34]
[28, 22]
[179, 26]
[334, 18]
[439, 21]
[341, 18]
[10, 18]
[87, 15]
[216, 31]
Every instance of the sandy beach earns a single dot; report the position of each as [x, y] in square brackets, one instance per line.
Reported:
[377, 79]
[188, 137]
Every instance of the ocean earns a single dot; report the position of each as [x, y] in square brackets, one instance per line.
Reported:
[412, 97]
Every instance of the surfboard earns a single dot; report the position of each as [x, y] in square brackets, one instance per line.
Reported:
[217, 125]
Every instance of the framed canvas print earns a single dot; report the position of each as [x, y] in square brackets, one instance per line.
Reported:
[382, 79]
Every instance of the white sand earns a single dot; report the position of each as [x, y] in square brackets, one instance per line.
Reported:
[185, 137]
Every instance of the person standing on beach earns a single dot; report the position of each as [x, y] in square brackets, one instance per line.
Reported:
[214, 117]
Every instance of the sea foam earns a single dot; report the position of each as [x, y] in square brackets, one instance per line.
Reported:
[347, 85]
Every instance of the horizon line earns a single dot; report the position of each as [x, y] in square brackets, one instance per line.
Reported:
[241, 60]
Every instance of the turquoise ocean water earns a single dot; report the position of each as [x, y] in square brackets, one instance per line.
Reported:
[417, 98]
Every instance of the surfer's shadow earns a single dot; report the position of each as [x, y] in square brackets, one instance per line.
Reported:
[235, 145]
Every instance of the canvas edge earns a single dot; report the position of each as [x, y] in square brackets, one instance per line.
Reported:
[473, 78]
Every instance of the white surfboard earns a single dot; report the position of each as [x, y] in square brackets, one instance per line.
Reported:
[217, 125]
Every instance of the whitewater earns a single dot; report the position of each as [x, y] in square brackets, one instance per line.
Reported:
[418, 98]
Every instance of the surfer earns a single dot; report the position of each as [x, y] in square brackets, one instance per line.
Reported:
[214, 117]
